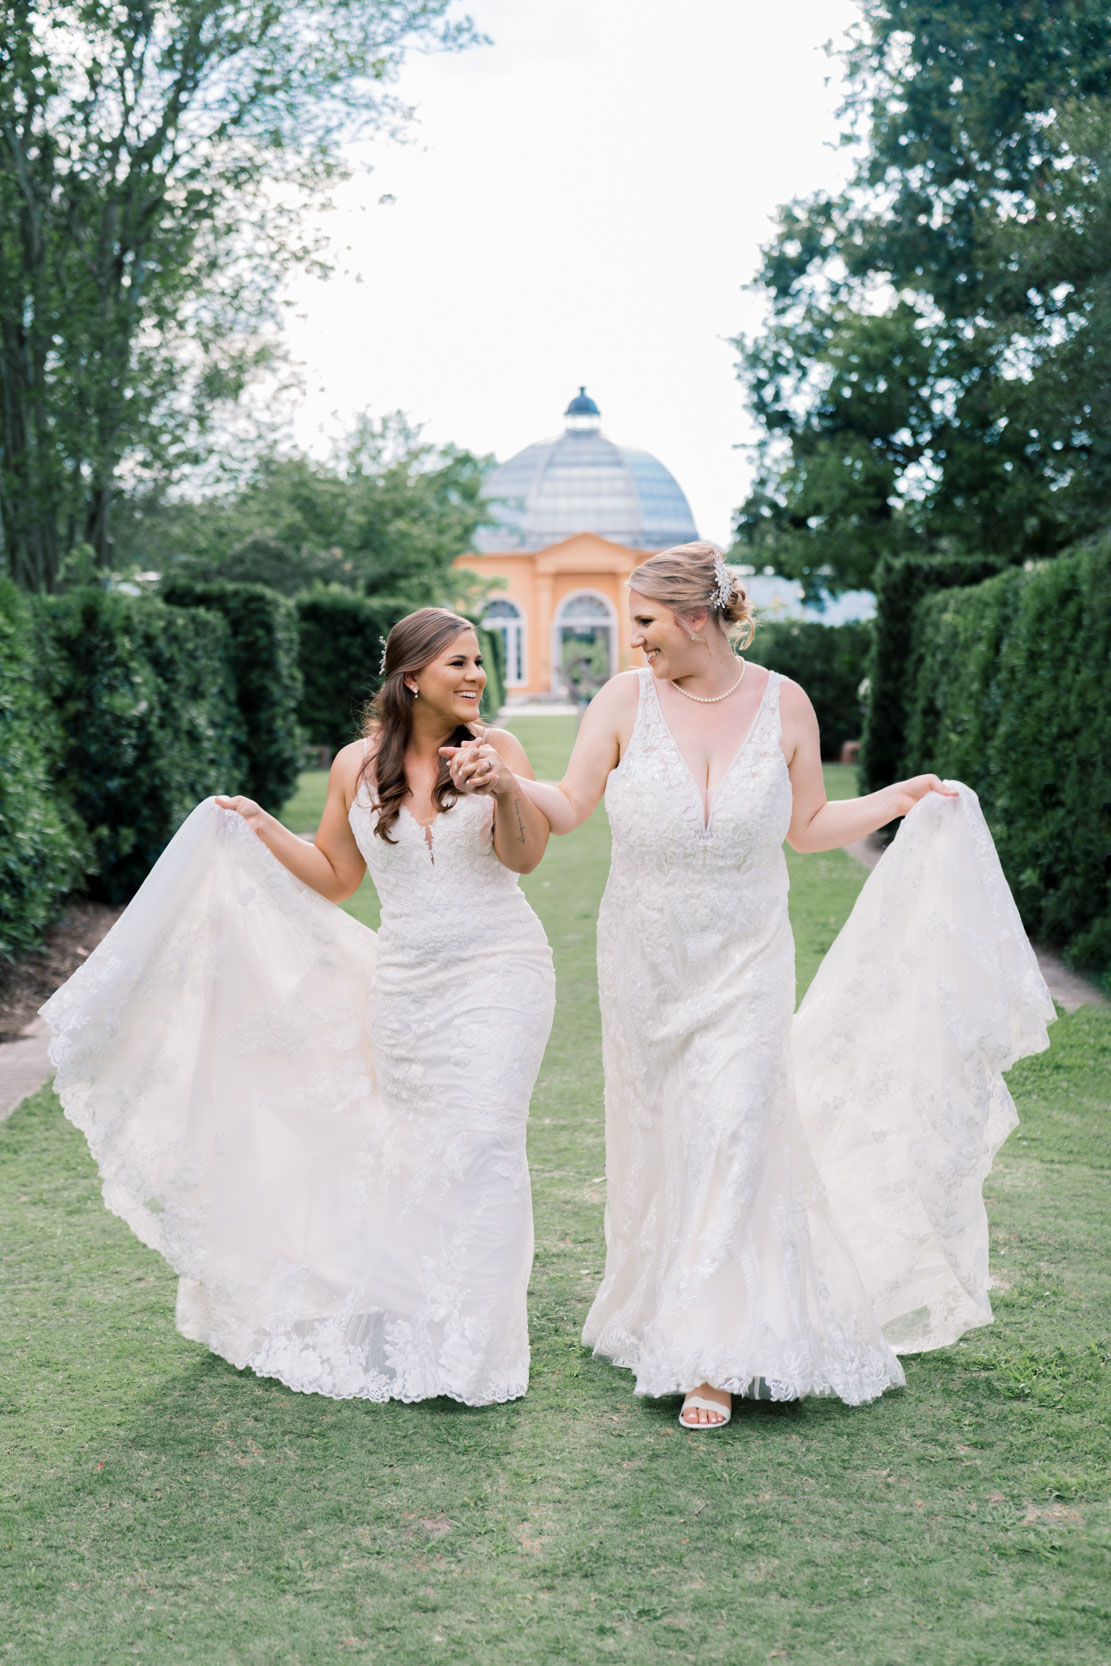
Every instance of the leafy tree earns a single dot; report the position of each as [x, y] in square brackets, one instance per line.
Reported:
[934, 363]
[386, 518]
[155, 156]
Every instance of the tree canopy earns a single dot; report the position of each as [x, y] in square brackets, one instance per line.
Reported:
[933, 373]
[154, 159]
[386, 517]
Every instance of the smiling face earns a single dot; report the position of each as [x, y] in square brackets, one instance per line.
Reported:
[664, 639]
[450, 686]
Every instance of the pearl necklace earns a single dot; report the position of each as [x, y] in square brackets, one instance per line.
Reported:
[711, 699]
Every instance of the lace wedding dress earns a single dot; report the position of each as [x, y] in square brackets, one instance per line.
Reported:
[796, 1199]
[322, 1129]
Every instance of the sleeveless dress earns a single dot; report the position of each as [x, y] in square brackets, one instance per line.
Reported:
[322, 1128]
[795, 1199]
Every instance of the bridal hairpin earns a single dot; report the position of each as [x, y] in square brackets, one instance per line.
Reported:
[382, 661]
[723, 586]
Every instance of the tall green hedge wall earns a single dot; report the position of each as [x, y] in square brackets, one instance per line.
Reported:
[901, 583]
[118, 712]
[1009, 689]
[341, 648]
[43, 852]
[147, 705]
[829, 661]
[265, 656]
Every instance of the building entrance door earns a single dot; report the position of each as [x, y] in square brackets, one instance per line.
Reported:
[584, 645]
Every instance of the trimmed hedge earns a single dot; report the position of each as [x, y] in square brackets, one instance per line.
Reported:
[146, 700]
[265, 650]
[42, 848]
[492, 644]
[340, 651]
[1010, 690]
[829, 661]
[901, 583]
[341, 648]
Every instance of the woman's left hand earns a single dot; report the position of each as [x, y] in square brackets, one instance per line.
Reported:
[907, 793]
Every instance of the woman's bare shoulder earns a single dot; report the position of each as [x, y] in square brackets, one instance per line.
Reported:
[348, 765]
[793, 698]
[505, 742]
[352, 755]
[619, 696]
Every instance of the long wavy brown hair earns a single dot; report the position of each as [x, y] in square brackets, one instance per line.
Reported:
[412, 644]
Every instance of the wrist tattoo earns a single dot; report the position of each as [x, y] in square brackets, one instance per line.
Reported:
[517, 813]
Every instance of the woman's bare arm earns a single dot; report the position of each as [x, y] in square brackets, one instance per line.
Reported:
[520, 831]
[332, 864]
[816, 822]
[597, 750]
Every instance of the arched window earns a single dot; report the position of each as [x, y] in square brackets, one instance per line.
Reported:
[505, 616]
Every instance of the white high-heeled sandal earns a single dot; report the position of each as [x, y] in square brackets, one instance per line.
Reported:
[700, 1403]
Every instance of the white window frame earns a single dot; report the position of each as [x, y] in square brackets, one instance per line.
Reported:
[514, 629]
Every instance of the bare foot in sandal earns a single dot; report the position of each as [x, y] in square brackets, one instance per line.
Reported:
[706, 1408]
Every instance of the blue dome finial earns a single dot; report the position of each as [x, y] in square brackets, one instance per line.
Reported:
[582, 405]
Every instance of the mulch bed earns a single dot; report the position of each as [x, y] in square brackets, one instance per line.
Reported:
[30, 979]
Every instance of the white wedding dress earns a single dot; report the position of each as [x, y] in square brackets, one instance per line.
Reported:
[796, 1199]
[322, 1129]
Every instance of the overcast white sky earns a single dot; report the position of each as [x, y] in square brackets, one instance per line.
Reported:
[582, 202]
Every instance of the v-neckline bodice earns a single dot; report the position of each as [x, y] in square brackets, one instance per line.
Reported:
[707, 799]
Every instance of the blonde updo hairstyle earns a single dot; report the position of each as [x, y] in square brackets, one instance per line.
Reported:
[684, 579]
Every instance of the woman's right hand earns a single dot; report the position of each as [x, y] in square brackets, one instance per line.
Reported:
[253, 814]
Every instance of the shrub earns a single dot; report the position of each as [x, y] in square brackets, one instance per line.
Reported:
[266, 668]
[146, 700]
[42, 846]
[340, 637]
[901, 582]
[830, 662]
[1009, 691]
[341, 648]
[492, 645]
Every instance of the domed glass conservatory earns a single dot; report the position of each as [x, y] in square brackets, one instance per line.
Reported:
[572, 517]
[582, 482]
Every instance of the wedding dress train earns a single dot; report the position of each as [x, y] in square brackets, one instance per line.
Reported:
[790, 1198]
[321, 1128]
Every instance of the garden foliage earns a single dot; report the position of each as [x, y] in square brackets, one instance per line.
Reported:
[1008, 690]
[933, 370]
[340, 647]
[146, 701]
[829, 661]
[265, 659]
[42, 849]
[341, 637]
[901, 583]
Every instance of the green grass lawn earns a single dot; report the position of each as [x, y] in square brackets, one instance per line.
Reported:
[159, 1506]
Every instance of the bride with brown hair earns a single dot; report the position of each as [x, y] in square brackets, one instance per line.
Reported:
[790, 1201]
[322, 1128]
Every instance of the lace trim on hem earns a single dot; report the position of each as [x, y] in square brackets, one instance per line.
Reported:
[677, 1376]
[514, 1390]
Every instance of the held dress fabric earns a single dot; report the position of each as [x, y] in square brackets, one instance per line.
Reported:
[795, 1199]
[321, 1128]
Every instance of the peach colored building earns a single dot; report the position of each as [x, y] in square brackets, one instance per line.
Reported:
[574, 516]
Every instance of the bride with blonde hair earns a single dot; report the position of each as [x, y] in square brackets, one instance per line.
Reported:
[791, 1201]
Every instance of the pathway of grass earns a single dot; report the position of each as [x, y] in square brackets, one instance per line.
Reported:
[159, 1506]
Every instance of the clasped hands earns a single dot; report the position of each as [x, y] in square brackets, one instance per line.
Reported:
[478, 767]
